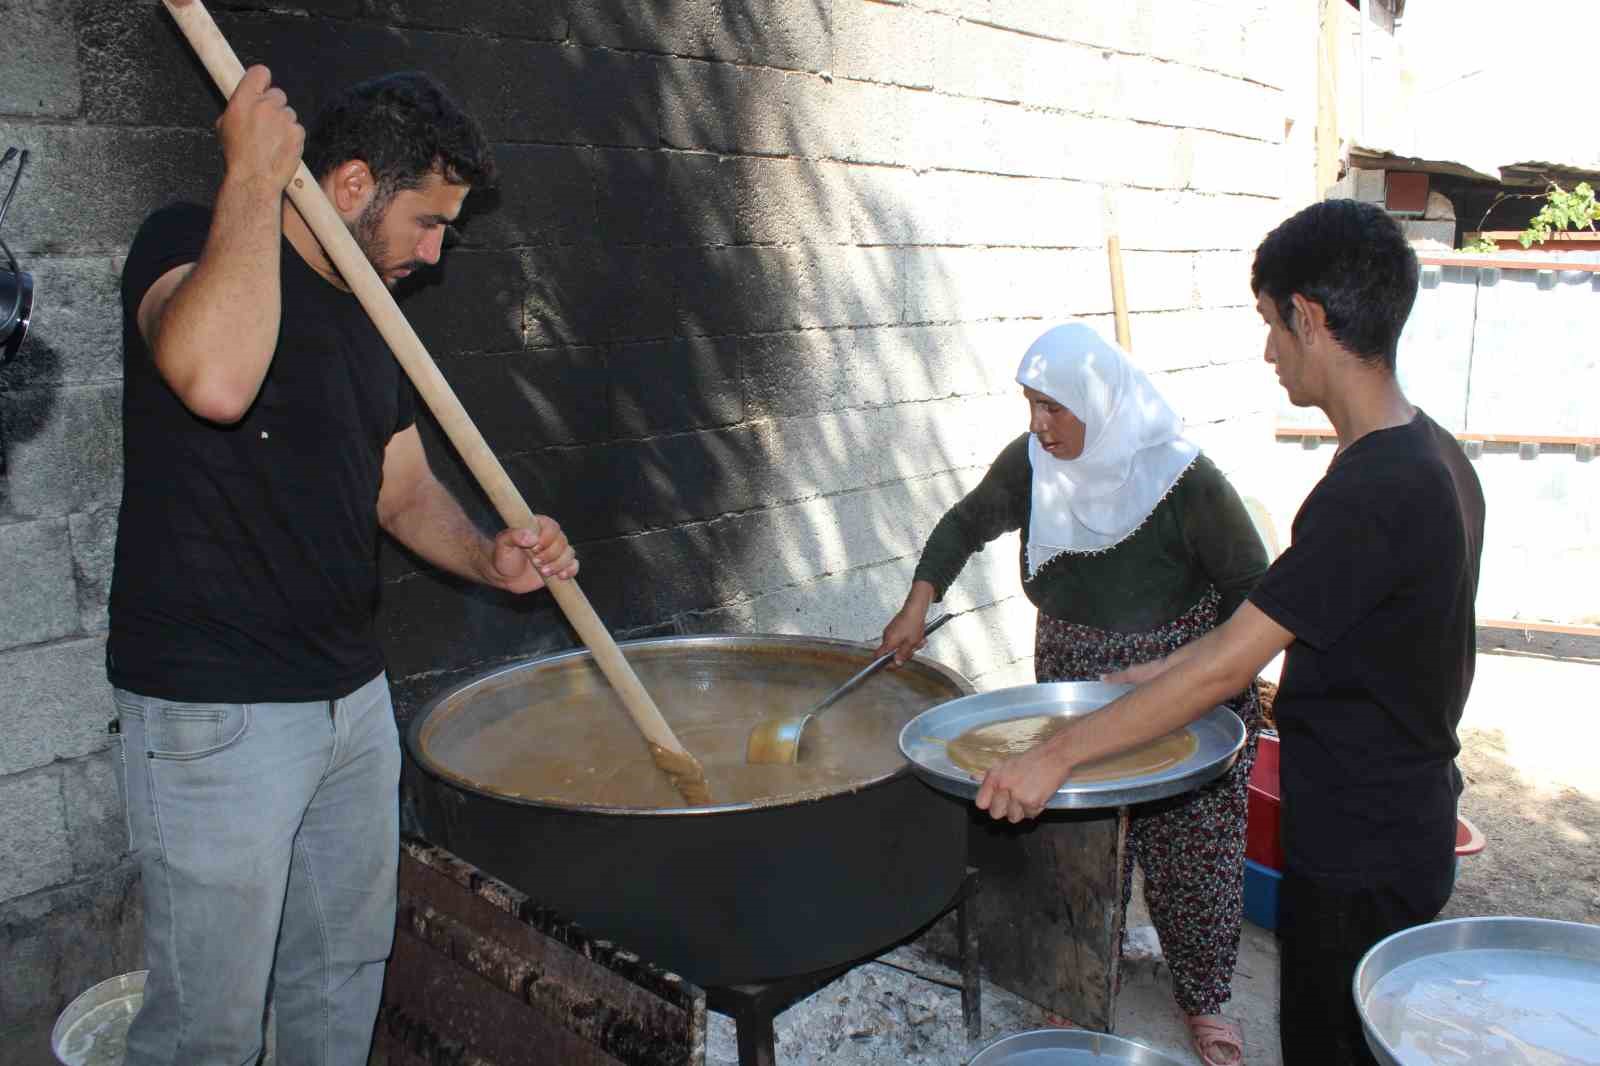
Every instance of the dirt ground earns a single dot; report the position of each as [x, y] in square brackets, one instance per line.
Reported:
[1530, 752]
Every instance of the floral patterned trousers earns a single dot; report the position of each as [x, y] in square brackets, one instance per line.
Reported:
[1190, 847]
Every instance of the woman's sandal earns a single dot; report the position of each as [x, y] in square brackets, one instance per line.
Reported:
[1217, 1040]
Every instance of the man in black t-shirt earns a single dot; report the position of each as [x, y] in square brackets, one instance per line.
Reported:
[1374, 602]
[268, 435]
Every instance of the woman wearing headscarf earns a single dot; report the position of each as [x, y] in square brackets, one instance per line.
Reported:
[1135, 545]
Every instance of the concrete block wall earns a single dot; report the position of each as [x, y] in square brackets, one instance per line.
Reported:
[743, 316]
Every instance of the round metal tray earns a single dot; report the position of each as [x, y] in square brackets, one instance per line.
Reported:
[924, 741]
[1475, 991]
[1068, 1047]
[93, 1030]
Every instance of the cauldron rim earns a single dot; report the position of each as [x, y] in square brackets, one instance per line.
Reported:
[715, 640]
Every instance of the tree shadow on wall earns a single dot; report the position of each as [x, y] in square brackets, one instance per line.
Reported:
[682, 325]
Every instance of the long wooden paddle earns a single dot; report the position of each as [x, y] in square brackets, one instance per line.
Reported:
[308, 198]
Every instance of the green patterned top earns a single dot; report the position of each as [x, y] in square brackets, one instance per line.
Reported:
[1199, 535]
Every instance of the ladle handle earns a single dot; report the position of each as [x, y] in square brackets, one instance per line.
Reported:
[873, 667]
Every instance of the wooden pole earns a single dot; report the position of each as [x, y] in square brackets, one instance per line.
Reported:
[319, 213]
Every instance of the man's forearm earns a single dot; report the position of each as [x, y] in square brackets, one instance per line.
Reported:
[215, 338]
[433, 525]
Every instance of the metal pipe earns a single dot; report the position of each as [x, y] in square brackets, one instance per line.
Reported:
[1361, 76]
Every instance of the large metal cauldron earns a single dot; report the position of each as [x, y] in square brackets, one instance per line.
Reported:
[852, 854]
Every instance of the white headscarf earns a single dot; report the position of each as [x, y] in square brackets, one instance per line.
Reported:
[1133, 451]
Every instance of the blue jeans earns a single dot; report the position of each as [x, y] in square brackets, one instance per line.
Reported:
[267, 835]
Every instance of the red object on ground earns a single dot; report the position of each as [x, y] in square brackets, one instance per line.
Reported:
[1261, 842]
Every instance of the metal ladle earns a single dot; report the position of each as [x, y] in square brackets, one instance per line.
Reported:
[777, 739]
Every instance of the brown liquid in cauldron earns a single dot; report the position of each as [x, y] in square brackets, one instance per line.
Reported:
[978, 749]
[564, 736]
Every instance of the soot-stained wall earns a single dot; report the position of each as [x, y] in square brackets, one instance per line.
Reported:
[743, 316]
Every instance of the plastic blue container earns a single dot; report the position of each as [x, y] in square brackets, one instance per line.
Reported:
[1261, 894]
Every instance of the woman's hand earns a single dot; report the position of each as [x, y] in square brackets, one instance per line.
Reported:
[903, 636]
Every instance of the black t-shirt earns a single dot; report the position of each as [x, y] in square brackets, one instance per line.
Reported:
[1378, 588]
[246, 558]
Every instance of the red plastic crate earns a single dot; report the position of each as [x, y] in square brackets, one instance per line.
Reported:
[1261, 841]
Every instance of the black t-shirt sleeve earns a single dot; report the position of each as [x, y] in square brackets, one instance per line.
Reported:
[1342, 563]
[405, 411]
[170, 237]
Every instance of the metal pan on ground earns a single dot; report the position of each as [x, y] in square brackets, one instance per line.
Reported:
[924, 741]
[93, 1029]
[1069, 1047]
[1475, 991]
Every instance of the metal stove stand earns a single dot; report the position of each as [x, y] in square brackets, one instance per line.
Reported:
[754, 1006]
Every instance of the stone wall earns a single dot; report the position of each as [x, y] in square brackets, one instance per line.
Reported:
[743, 316]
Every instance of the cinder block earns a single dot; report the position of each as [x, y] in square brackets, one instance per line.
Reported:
[1369, 185]
[1067, 76]
[1179, 340]
[1229, 164]
[33, 833]
[676, 385]
[852, 286]
[1159, 281]
[789, 374]
[76, 336]
[917, 363]
[97, 824]
[526, 400]
[1222, 279]
[741, 289]
[867, 123]
[38, 600]
[544, 20]
[786, 201]
[688, 477]
[1118, 152]
[576, 95]
[1124, 27]
[654, 197]
[983, 209]
[94, 541]
[586, 293]
[985, 62]
[101, 183]
[546, 196]
[470, 302]
[768, 33]
[1215, 393]
[892, 205]
[890, 43]
[1172, 94]
[56, 703]
[60, 942]
[40, 80]
[731, 109]
[964, 284]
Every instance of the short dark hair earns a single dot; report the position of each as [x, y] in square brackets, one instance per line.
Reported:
[1352, 258]
[404, 126]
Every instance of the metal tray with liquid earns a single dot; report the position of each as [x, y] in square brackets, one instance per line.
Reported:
[924, 741]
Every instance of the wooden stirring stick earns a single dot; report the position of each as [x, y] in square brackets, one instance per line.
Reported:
[308, 198]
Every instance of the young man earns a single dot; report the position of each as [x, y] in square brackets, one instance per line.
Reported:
[1374, 602]
[268, 435]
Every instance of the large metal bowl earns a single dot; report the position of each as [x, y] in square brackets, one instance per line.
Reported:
[1476, 991]
[1069, 1047]
[800, 880]
[1219, 737]
[93, 1029]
